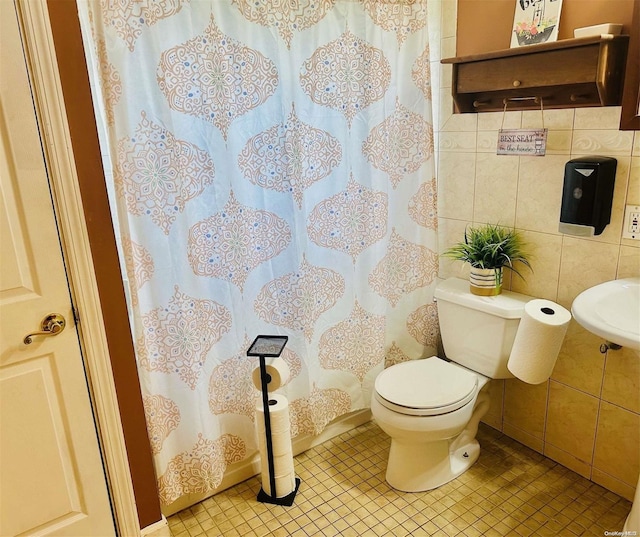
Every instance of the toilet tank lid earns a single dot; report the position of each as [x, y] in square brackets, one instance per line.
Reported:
[508, 305]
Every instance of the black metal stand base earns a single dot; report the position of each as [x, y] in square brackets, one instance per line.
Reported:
[285, 500]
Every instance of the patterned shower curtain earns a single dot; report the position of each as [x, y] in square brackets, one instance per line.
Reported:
[273, 166]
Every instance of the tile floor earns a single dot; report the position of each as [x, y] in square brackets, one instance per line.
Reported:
[511, 490]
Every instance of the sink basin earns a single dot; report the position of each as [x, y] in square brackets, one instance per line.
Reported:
[611, 310]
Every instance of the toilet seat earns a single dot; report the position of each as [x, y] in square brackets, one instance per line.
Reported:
[428, 387]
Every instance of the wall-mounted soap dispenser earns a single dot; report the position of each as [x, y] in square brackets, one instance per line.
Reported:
[587, 195]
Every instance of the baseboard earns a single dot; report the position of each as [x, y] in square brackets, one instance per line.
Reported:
[157, 529]
[335, 428]
[239, 472]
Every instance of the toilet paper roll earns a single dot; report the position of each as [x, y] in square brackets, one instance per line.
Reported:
[283, 469]
[538, 340]
[278, 375]
[285, 485]
[278, 413]
[280, 442]
[282, 466]
[281, 448]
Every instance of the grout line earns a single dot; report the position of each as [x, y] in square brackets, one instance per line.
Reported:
[520, 480]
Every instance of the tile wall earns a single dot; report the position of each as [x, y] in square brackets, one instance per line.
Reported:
[587, 416]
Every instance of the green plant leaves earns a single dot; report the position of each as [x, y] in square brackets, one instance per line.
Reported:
[490, 246]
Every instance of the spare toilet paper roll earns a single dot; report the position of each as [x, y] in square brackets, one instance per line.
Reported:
[278, 413]
[283, 471]
[280, 442]
[278, 375]
[285, 485]
[282, 465]
[281, 448]
[538, 340]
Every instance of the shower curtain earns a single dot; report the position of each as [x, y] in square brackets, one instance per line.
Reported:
[273, 170]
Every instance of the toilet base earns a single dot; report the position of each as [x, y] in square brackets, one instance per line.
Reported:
[417, 467]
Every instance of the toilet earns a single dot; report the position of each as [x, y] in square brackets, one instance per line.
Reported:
[431, 407]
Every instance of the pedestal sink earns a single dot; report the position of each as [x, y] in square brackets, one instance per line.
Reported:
[611, 310]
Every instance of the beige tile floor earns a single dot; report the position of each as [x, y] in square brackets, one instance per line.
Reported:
[511, 490]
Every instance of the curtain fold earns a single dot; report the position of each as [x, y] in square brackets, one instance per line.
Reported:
[273, 173]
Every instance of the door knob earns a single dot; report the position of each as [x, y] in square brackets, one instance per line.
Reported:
[51, 325]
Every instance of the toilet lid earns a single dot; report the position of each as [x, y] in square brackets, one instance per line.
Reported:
[426, 387]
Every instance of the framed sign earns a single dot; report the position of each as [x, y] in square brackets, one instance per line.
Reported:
[535, 21]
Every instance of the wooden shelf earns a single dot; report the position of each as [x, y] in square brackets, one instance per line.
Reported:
[571, 73]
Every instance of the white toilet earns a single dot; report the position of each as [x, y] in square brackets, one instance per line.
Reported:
[431, 408]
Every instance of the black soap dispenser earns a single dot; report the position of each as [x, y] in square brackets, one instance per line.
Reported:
[587, 195]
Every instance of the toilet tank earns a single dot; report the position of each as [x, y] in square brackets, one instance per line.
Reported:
[478, 331]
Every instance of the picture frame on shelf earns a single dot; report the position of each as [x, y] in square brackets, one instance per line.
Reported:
[535, 22]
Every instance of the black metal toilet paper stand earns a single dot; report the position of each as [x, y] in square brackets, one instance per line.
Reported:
[270, 347]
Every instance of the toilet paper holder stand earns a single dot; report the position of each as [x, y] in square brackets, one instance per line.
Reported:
[268, 346]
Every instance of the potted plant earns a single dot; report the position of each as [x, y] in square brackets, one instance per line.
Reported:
[489, 249]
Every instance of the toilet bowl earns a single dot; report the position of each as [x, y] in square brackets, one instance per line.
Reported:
[431, 409]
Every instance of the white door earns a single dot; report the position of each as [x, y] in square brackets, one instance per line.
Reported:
[52, 480]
